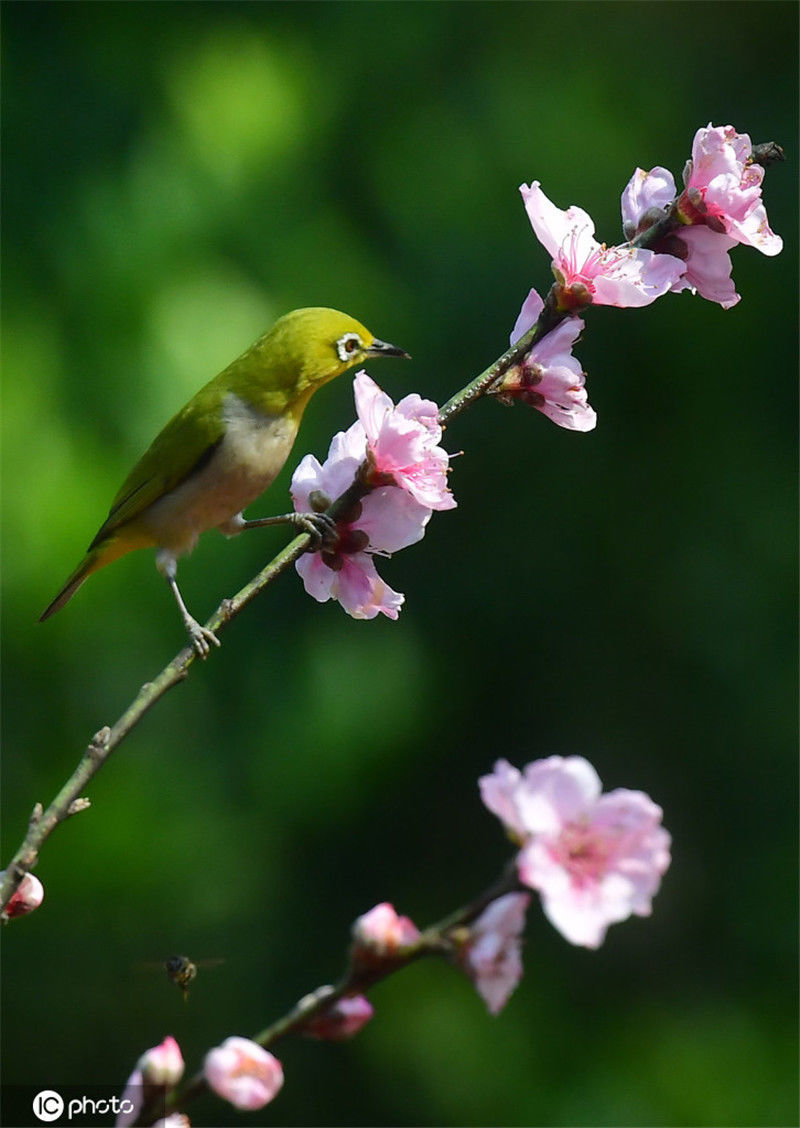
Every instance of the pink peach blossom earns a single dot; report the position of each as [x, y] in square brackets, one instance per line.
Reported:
[492, 956]
[403, 443]
[730, 186]
[549, 377]
[591, 272]
[243, 1073]
[595, 859]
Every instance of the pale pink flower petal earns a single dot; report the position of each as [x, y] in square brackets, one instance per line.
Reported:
[492, 956]
[345, 454]
[382, 932]
[362, 592]
[243, 1073]
[622, 276]
[708, 265]
[355, 584]
[499, 793]
[392, 519]
[343, 1020]
[565, 401]
[528, 316]
[28, 896]
[560, 232]
[554, 791]
[646, 190]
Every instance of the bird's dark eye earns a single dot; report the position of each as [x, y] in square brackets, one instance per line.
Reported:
[347, 345]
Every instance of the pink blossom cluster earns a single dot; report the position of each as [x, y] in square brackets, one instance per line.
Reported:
[720, 206]
[488, 950]
[395, 449]
[594, 858]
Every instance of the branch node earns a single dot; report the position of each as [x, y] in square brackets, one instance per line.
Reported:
[36, 814]
[99, 743]
[76, 806]
[316, 998]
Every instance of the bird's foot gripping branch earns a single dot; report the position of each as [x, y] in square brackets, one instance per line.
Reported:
[593, 858]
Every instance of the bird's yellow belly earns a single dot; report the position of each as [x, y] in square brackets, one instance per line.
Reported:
[251, 454]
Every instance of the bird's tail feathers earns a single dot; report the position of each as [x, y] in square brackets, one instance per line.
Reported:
[98, 557]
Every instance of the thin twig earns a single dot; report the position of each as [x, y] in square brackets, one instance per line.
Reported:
[358, 978]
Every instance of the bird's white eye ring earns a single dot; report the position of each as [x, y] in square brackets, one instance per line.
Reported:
[347, 345]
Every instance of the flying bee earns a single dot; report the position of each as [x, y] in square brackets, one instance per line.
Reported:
[182, 971]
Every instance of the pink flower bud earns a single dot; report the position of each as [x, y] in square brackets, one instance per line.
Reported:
[163, 1065]
[244, 1073]
[157, 1070]
[27, 896]
[344, 1019]
[381, 932]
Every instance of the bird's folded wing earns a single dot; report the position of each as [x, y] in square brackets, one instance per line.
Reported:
[180, 450]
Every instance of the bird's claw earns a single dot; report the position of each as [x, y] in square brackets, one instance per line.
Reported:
[200, 637]
[320, 527]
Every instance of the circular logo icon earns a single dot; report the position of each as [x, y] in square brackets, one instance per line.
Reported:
[48, 1105]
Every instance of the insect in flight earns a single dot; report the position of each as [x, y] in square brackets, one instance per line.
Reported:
[182, 971]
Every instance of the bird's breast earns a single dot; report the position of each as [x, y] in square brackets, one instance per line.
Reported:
[244, 463]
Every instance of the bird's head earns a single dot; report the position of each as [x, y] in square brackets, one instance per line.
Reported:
[317, 344]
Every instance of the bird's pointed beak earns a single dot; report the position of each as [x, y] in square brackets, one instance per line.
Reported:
[383, 348]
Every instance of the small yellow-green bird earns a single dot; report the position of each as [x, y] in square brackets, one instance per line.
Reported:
[224, 448]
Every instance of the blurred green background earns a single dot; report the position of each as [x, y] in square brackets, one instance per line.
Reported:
[177, 175]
